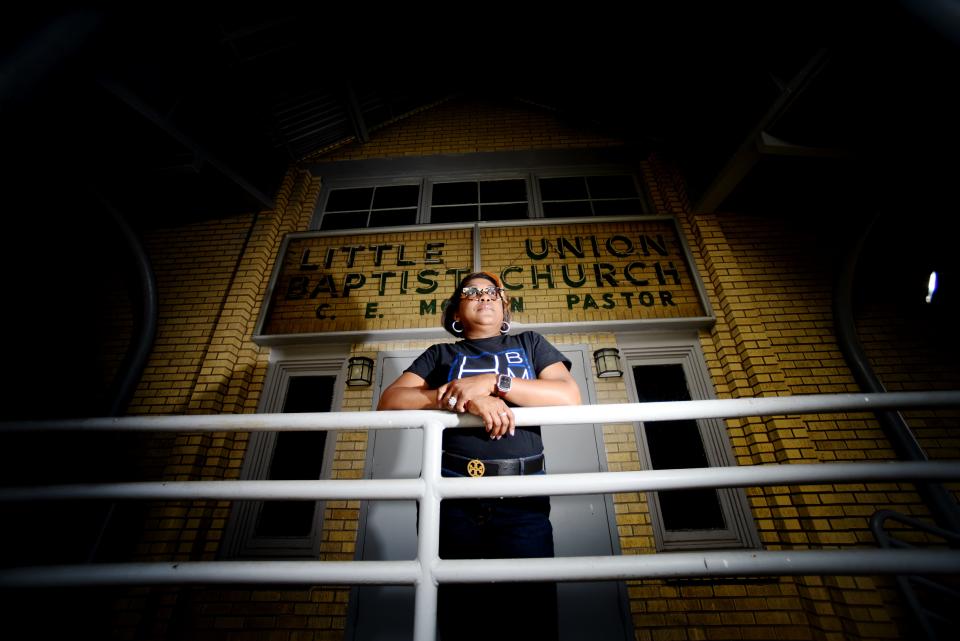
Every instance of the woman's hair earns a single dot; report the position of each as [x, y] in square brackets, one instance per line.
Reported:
[453, 303]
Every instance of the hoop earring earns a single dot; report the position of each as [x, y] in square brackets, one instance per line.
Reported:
[456, 330]
[504, 327]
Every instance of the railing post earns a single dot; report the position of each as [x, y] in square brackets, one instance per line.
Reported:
[428, 536]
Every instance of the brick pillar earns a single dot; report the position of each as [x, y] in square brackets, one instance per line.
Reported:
[233, 367]
[744, 362]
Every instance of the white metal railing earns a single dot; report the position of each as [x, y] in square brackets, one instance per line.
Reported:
[427, 570]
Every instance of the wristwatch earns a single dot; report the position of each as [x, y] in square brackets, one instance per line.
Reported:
[504, 381]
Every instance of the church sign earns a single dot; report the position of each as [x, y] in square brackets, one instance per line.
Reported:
[554, 272]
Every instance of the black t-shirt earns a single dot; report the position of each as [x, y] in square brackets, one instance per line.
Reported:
[522, 355]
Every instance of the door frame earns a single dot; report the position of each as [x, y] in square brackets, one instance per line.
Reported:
[612, 529]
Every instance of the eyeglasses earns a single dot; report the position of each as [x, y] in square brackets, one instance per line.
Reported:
[477, 292]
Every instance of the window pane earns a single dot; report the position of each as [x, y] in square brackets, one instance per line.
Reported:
[691, 510]
[503, 212]
[297, 456]
[343, 221]
[309, 394]
[566, 210]
[676, 445]
[612, 187]
[453, 214]
[660, 383]
[563, 188]
[392, 217]
[617, 208]
[285, 518]
[349, 199]
[454, 193]
[503, 191]
[396, 197]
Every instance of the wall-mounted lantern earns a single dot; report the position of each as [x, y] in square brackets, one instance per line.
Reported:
[359, 371]
[607, 361]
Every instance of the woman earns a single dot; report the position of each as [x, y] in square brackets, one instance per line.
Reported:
[486, 373]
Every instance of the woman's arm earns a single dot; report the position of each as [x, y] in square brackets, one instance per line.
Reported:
[554, 386]
[408, 392]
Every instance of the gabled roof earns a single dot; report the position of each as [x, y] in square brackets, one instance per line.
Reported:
[152, 111]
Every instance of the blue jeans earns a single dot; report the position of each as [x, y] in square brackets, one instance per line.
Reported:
[496, 529]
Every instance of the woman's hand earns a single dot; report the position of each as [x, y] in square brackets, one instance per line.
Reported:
[473, 394]
[464, 390]
[497, 418]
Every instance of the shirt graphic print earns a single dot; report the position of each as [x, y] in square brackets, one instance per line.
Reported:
[513, 362]
[522, 355]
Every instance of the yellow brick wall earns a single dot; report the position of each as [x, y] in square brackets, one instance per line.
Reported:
[769, 281]
[773, 336]
[908, 356]
[227, 371]
[193, 267]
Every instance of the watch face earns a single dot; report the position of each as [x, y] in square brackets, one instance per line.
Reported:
[504, 382]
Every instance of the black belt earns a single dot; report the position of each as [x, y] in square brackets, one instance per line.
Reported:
[492, 467]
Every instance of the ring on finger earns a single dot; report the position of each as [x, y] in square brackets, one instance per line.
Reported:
[452, 401]
[503, 413]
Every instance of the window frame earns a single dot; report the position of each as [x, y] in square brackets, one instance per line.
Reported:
[741, 530]
[240, 540]
[428, 171]
[429, 181]
[363, 183]
[587, 173]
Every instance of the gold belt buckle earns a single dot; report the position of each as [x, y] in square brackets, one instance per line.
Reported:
[476, 468]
